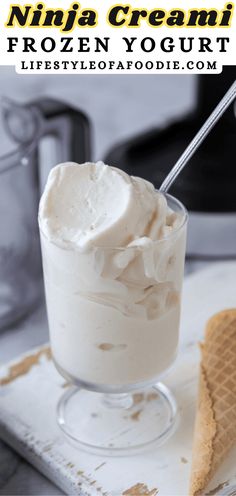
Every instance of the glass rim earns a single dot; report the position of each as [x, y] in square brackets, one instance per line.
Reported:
[67, 246]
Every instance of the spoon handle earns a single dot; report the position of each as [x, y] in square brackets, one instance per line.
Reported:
[228, 98]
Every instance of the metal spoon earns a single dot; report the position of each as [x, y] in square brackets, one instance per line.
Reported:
[230, 95]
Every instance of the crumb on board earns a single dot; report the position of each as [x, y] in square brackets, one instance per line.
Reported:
[138, 398]
[66, 385]
[140, 489]
[135, 416]
[80, 472]
[152, 396]
[25, 365]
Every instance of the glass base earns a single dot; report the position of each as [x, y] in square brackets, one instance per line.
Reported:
[117, 424]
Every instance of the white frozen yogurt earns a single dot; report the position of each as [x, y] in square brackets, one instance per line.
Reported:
[113, 257]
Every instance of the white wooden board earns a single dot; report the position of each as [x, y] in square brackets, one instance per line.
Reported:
[28, 412]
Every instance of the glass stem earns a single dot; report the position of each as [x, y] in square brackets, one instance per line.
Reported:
[120, 401]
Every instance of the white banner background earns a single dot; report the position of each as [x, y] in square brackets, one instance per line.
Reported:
[174, 61]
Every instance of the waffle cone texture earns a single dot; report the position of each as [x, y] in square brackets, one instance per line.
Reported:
[215, 426]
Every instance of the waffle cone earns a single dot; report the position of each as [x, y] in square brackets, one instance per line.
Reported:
[215, 426]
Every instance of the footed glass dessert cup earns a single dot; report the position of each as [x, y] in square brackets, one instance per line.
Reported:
[114, 318]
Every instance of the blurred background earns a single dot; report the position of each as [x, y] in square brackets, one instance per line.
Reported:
[118, 106]
[139, 123]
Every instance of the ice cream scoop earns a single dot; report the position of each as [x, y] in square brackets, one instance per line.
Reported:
[97, 205]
